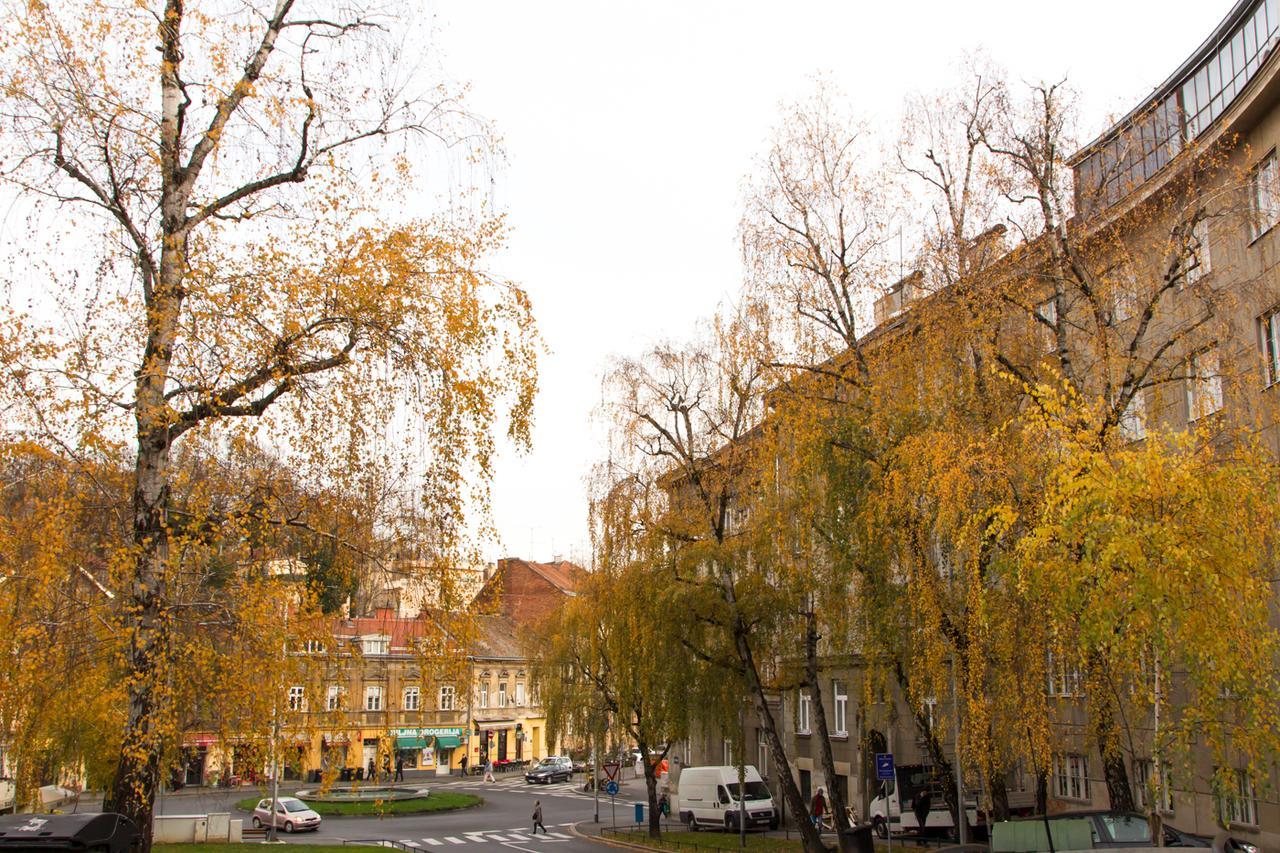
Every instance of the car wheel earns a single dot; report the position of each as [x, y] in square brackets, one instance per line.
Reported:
[288, 826]
[257, 824]
[773, 825]
[881, 827]
[730, 823]
[689, 823]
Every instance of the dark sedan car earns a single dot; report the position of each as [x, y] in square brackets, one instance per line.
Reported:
[553, 768]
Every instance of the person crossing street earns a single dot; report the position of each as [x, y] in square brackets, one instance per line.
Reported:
[537, 818]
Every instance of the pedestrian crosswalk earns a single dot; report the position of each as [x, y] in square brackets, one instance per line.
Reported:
[487, 836]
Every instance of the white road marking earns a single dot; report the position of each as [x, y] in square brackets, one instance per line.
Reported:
[560, 834]
[434, 842]
[493, 836]
[452, 840]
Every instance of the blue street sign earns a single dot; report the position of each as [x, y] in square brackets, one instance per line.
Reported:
[884, 766]
[611, 787]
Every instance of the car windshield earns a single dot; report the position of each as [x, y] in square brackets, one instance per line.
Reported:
[294, 805]
[755, 791]
[548, 762]
[1127, 828]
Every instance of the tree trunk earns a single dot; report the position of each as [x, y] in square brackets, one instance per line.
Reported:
[809, 835]
[1042, 791]
[937, 756]
[999, 796]
[651, 788]
[138, 770]
[835, 796]
[1102, 716]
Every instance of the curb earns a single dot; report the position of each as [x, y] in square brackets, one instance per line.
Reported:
[607, 842]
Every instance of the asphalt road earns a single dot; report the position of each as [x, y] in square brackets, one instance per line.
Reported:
[503, 823]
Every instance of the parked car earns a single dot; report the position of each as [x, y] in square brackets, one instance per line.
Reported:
[1104, 829]
[292, 814]
[553, 768]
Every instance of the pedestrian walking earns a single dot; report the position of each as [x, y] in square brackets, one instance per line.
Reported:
[537, 818]
[488, 770]
[463, 765]
[399, 768]
[373, 770]
[819, 809]
[386, 767]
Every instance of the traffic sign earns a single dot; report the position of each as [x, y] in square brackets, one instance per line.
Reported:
[611, 769]
[884, 766]
[611, 787]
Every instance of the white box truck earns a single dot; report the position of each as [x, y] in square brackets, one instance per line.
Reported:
[708, 797]
[914, 802]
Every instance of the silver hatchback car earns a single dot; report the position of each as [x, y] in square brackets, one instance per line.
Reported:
[292, 814]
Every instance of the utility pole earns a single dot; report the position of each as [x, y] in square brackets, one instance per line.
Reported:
[595, 773]
[962, 812]
[275, 730]
[742, 781]
[466, 732]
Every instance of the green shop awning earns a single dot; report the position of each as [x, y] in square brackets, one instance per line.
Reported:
[403, 742]
[446, 742]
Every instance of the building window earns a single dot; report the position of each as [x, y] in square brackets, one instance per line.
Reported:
[1213, 87]
[1144, 775]
[411, 699]
[1240, 803]
[1063, 680]
[1133, 420]
[726, 753]
[762, 757]
[1263, 198]
[1198, 260]
[1124, 300]
[446, 698]
[484, 694]
[519, 694]
[1204, 384]
[840, 698]
[376, 645]
[802, 714]
[1071, 773]
[1269, 329]
[313, 647]
[373, 697]
[333, 701]
[1047, 323]
[297, 699]
[502, 695]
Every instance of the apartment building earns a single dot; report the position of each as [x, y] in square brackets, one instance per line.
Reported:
[1195, 159]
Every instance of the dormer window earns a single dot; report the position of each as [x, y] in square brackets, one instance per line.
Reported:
[376, 645]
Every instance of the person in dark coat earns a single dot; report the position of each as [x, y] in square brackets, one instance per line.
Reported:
[537, 818]
[399, 768]
[373, 769]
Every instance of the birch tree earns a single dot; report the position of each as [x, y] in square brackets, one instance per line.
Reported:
[234, 175]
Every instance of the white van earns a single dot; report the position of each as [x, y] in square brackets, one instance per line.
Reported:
[708, 796]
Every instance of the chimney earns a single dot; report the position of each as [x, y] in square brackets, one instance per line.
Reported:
[899, 297]
[986, 248]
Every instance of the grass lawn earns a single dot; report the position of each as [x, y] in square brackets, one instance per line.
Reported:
[679, 840]
[705, 840]
[439, 801]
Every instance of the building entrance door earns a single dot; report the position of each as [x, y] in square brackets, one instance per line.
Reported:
[502, 745]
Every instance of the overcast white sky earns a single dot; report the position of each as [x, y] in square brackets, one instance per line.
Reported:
[629, 127]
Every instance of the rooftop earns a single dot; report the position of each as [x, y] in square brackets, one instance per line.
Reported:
[1181, 110]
